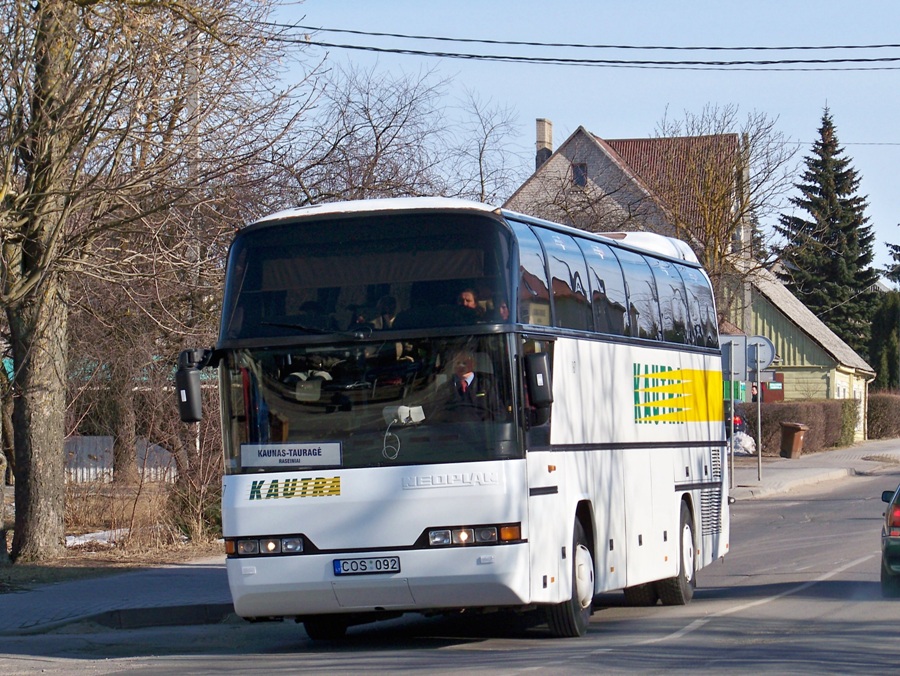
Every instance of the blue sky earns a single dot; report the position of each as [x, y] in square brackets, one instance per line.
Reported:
[630, 102]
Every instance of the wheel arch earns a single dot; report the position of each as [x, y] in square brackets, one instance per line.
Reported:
[688, 499]
[584, 514]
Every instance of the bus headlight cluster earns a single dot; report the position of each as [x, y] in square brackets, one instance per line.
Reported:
[474, 535]
[263, 546]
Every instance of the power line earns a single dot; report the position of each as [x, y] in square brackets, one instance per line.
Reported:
[620, 63]
[575, 45]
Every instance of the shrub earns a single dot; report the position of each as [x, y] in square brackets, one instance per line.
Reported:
[831, 422]
[883, 416]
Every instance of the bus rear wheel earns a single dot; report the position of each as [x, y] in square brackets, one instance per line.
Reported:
[570, 618]
[641, 595]
[679, 590]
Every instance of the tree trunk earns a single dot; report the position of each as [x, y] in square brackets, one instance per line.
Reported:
[124, 426]
[38, 331]
[4, 549]
[125, 468]
[7, 433]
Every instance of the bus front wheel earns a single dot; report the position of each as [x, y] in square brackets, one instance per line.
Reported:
[570, 618]
[325, 627]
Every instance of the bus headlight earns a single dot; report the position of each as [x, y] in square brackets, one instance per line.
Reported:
[247, 547]
[270, 546]
[475, 535]
[292, 545]
[263, 546]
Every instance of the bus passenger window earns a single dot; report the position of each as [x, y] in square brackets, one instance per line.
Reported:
[672, 305]
[568, 274]
[704, 323]
[643, 303]
[608, 301]
[534, 288]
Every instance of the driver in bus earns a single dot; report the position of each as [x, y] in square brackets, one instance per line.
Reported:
[470, 395]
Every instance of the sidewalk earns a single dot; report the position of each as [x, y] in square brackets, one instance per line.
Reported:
[182, 594]
[782, 475]
[197, 592]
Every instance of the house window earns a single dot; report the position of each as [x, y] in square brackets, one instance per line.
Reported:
[579, 175]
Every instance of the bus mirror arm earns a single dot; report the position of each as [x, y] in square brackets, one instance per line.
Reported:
[187, 382]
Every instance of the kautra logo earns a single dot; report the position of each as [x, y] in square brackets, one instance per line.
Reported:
[664, 395]
[319, 487]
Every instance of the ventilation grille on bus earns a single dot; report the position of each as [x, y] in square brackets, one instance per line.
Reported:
[711, 511]
[716, 464]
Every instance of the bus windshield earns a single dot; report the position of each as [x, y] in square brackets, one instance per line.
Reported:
[367, 404]
[406, 271]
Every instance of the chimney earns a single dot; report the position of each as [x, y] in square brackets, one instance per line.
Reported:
[544, 142]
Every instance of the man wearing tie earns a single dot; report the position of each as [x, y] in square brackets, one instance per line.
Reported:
[473, 395]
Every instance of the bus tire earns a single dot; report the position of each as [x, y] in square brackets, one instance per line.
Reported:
[679, 590]
[570, 618]
[641, 595]
[325, 627]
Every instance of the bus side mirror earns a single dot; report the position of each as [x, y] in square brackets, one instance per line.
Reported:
[187, 384]
[540, 388]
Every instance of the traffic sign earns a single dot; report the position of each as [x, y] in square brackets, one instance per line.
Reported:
[760, 353]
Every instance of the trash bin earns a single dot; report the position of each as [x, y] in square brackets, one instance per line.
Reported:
[792, 439]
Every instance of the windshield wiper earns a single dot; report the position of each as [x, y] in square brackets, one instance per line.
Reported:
[364, 331]
[301, 327]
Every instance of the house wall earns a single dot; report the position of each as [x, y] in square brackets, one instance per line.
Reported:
[809, 371]
[610, 200]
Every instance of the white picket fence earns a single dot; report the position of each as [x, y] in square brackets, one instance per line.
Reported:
[90, 459]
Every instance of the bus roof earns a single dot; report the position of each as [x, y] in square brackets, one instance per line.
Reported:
[645, 241]
[379, 205]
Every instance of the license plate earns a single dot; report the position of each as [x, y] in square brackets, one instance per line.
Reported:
[369, 566]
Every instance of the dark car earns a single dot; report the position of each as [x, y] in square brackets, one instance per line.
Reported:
[890, 544]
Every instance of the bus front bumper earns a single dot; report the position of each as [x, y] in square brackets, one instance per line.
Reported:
[445, 579]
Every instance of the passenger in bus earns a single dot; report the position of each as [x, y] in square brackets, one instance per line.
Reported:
[500, 312]
[470, 309]
[386, 313]
[470, 394]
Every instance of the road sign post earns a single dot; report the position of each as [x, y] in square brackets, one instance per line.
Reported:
[746, 358]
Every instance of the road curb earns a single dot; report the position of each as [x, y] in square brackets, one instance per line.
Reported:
[141, 618]
[747, 492]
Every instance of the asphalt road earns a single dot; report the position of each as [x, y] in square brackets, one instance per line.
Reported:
[799, 592]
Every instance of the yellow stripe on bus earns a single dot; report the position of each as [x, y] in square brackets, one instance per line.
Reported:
[679, 396]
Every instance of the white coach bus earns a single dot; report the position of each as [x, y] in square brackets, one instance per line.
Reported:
[363, 479]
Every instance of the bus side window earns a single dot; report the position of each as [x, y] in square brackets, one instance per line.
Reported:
[643, 302]
[534, 288]
[672, 304]
[608, 300]
[569, 282]
[704, 324]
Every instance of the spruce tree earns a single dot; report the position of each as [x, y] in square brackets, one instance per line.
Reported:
[892, 270]
[883, 346]
[827, 260]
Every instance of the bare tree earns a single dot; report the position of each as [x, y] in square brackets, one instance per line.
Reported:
[719, 176]
[118, 119]
[482, 165]
[370, 135]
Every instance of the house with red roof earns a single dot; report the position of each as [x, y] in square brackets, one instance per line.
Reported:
[653, 184]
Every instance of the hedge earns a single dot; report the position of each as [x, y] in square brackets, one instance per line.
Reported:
[831, 422]
[884, 415]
